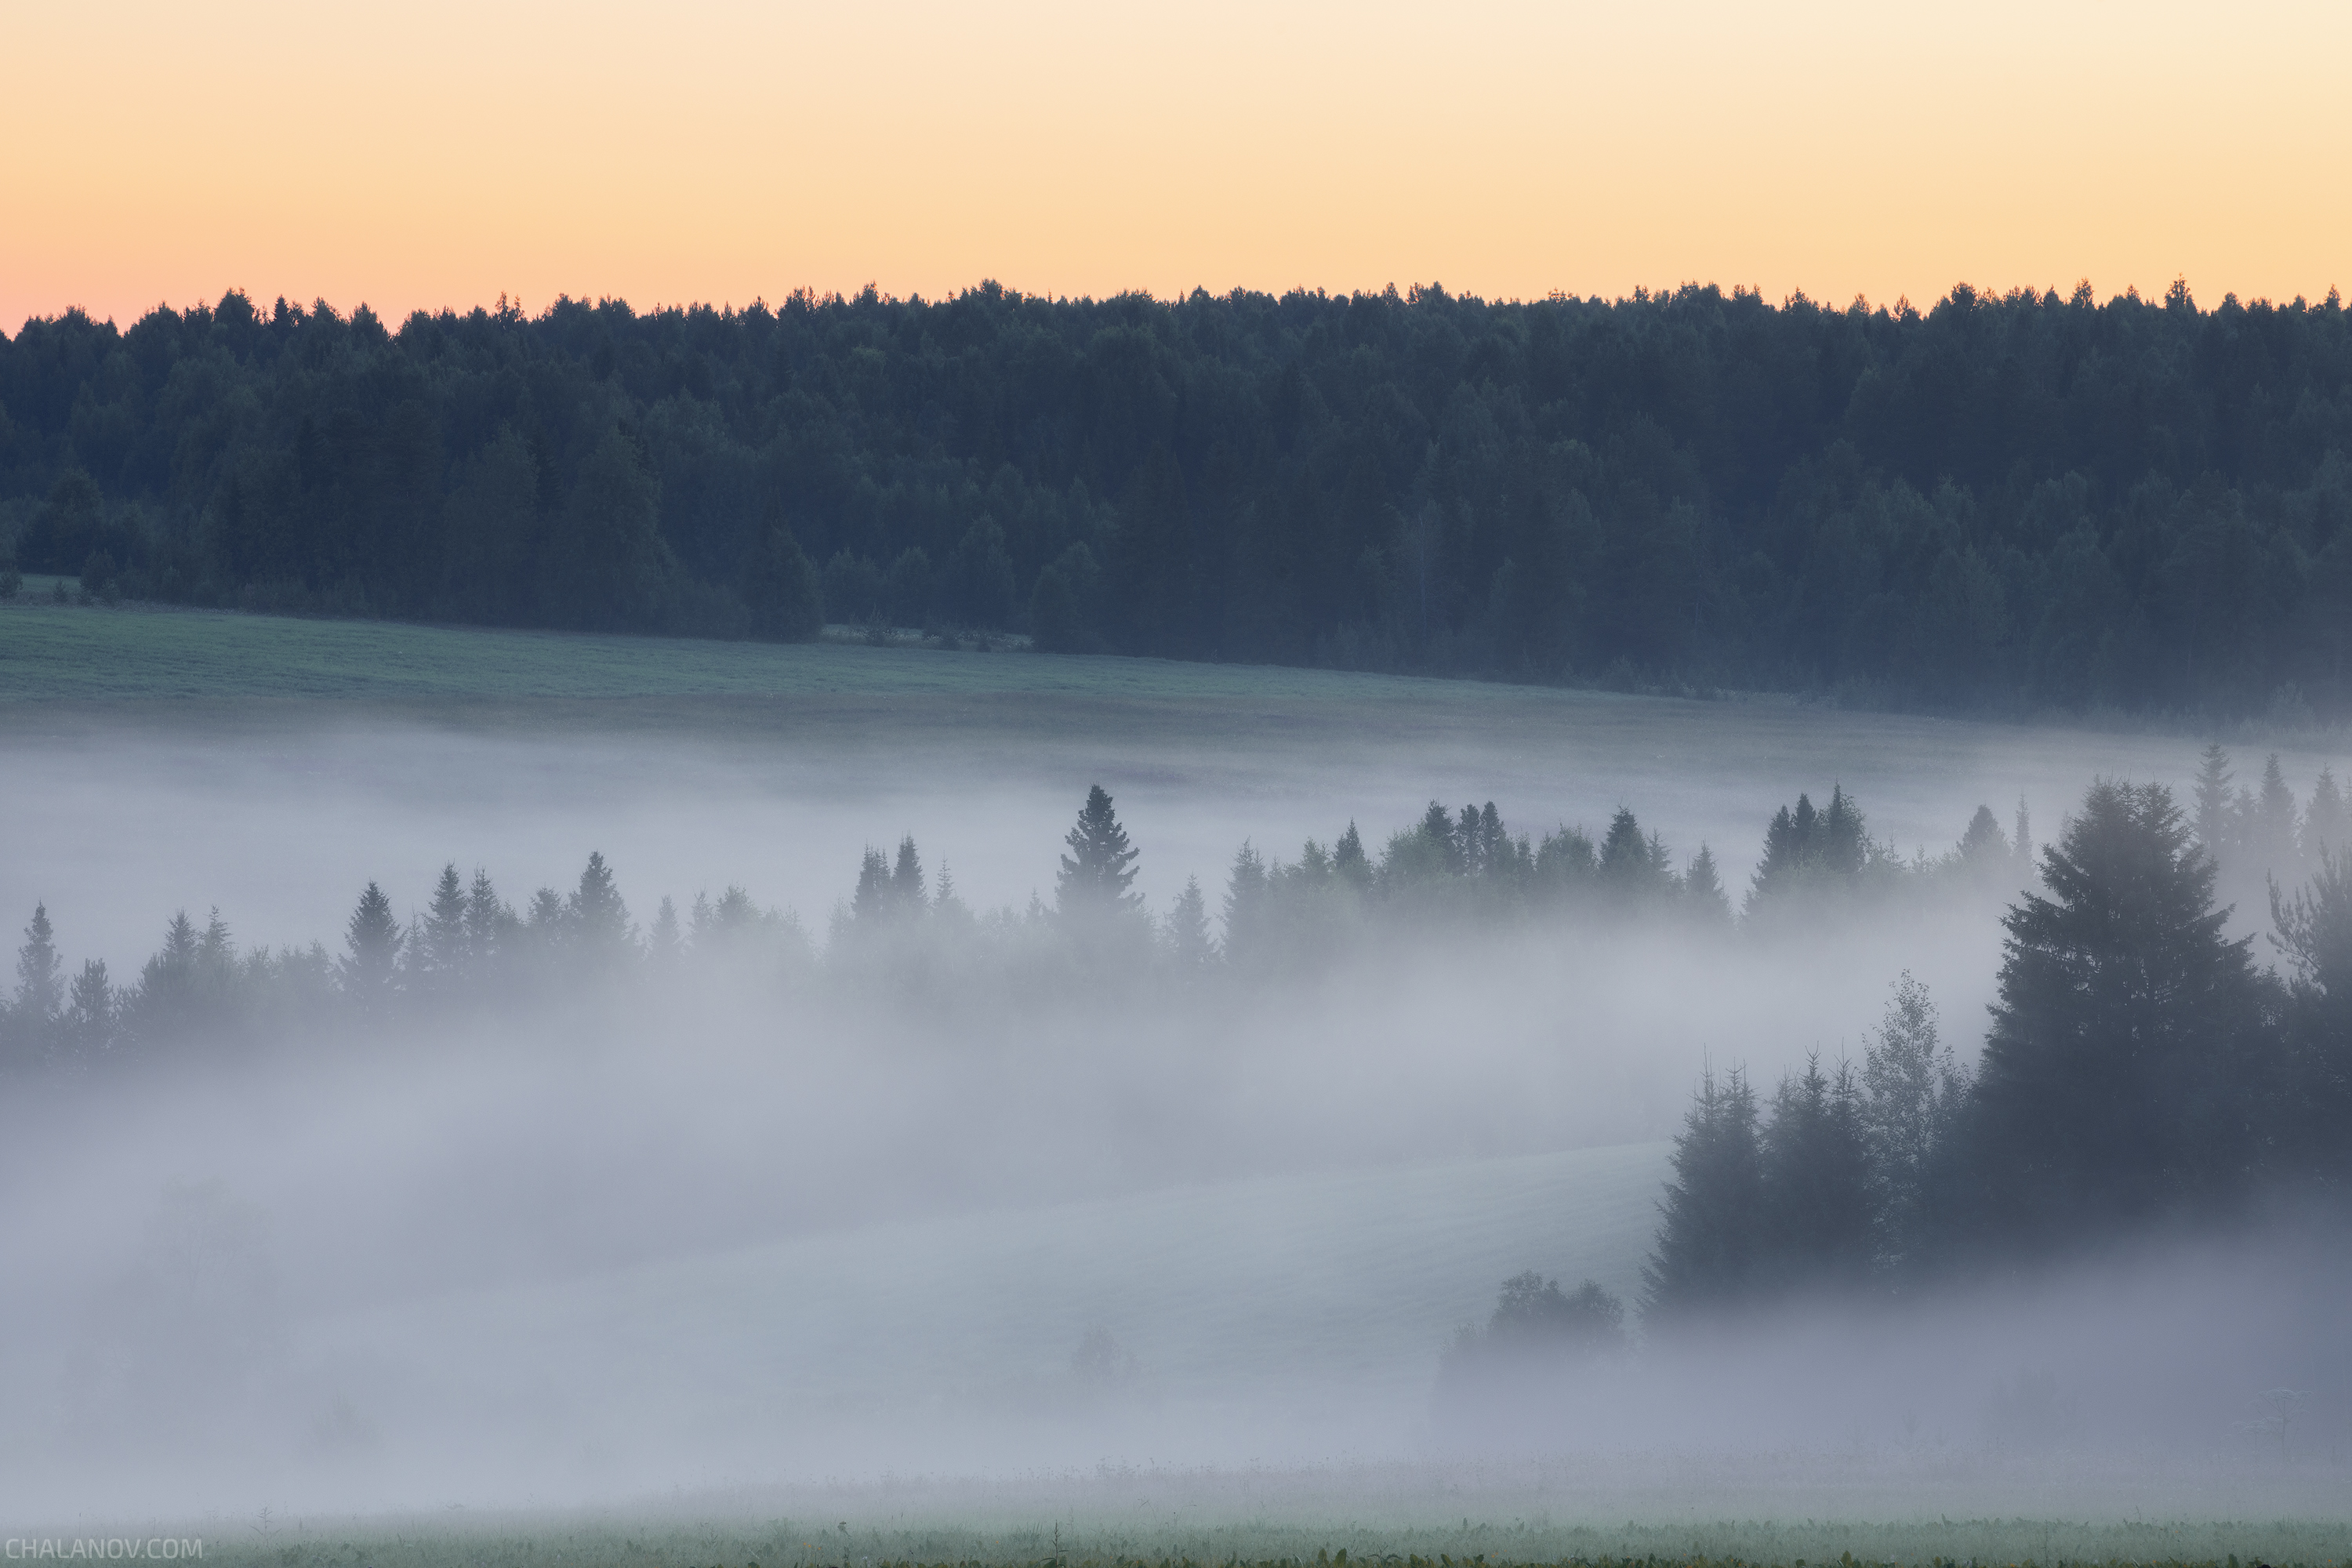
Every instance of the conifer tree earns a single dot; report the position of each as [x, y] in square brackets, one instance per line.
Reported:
[1630, 865]
[599, 920]
[40, 994]
[1437, 827]
[1712, 1223]
[166, 1000]
[1095, 874]
[907, 893]
[1845, 836]
[1349, 862]
[2215, 808]
[372, 939]
[1983, 853]
[1702, 890]
[1185, 931]
[870, 905]
[88, 1026]
[488, 922]
[1248, 916]
[439, 948]
[663, 942]
[1816, 1173]
[2326, 825]
[2273, 830]
[2117, 1075]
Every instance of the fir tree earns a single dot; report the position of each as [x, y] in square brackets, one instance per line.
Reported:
[1630, 865]
[487, 923]
[1983, 854]
[599, 920]
[2117, 1075]
[40, 994]
[1712, 1223]
[1437, 827]
[1095, 874]
[1817, 1181]
[1248, 914]
[1349, 862]
[2273, 828]
[1702, 890]
[907, 893]
[372, 939]
[439, 947]
[88, 1026]
[2326, 825]
[663, 942]
[2216, 829]
[1185, 931]
[870, 905]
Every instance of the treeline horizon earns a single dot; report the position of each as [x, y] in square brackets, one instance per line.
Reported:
[2017, 503]
[906, 930]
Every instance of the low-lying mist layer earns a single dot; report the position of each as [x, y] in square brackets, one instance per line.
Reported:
[510, 1205]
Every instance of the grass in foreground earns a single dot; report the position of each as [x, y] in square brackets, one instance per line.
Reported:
[799, 1544]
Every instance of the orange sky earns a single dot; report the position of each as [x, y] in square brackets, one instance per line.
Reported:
[438, 153]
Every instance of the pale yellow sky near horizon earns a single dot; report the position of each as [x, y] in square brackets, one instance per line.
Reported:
[438, 155]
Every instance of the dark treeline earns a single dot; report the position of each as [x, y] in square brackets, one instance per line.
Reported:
[2015, 501]
[906, 934]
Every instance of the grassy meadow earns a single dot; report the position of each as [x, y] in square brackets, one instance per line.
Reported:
[810, 1536]
[50, 651]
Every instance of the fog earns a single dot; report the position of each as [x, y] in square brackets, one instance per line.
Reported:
[728, 1237]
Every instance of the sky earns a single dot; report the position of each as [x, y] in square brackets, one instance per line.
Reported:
[437, 153]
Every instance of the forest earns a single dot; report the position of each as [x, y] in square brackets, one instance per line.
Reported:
[2007, 502]
[2142, 1064]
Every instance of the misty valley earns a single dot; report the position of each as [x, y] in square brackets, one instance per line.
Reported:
[1611, 1157]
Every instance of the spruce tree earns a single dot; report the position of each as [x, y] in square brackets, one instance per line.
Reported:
[488, 921]
[2325, 824]
[1712, 1223]
[908, 896]
[1249, 917]
[1845, 836]
[439, 949]
[663, 942]
[1631, 866]
[88, 1026]
[1095, 874]
[1185, 931]
[1702, 891]
[2215, 809]
[40, 994]
[1816, 1171]
[599, 921]
[1349, 862]
[870, 906]
[2120, 1074]
[2275, 830]
[372, 940]
[166, 1002]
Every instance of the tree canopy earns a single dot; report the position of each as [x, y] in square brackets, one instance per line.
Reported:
[2010, 501]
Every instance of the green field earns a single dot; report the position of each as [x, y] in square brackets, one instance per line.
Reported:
[1080, 1542]
[52, 651]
